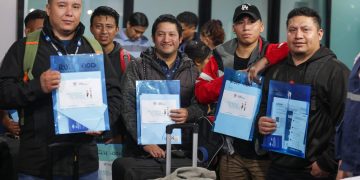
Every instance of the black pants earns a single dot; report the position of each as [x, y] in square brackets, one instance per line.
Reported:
[140, 168]
[277, 173]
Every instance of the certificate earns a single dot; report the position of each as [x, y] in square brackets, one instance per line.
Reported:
[238, 105]
[80, 103]
[155, 99]
[290, 109]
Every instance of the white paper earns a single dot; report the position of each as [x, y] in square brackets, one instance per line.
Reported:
[237, 104]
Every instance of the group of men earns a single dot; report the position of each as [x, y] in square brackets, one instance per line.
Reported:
[291, 62]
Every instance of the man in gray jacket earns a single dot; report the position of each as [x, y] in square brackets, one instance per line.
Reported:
[162, 62]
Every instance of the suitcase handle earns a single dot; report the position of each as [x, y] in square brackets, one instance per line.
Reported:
[169, 130]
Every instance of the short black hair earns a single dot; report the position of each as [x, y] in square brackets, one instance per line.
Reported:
[188, 18]
[138, 19]
[105, 11]
[197, 50]
[304, 11]
[36, 14]
[166, 18]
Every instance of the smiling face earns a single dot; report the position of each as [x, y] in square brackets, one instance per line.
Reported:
[303, 36]
[248, 30]
[166, 40]
[104, 29]
[64, 17]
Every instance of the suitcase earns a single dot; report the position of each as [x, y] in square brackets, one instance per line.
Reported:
[169, 130]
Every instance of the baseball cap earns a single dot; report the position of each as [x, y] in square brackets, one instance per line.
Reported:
[251, 10]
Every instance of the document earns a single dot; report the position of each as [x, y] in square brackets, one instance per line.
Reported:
[155, 99]
[238, 105]
[289, 107]
[80, 103]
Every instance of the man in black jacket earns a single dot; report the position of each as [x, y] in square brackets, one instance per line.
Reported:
[62, 34]
[315, 65]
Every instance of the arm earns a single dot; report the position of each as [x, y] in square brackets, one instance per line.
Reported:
[208, 84]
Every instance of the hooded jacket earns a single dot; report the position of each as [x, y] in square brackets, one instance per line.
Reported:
[328, 80]
[146, 68]
[38, 132]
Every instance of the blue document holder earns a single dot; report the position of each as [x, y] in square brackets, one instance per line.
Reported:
[154, 99]
[238, 105]
[288, 104]
[80, 103]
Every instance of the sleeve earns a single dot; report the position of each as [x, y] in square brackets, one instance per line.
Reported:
[208, 84]
[195, 110]
[337, 97]
[128, 95]
[14, 93]
[113, 93]
[275, 53]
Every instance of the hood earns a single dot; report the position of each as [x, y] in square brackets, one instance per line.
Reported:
[47, 29]
[321, 53]
[116, 49]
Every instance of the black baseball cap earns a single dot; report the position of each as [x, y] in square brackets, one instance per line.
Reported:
[248, 9]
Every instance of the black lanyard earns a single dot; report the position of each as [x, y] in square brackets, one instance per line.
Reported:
[48, 39]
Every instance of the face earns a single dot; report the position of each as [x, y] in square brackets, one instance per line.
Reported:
[303, 36]
[188, 31]
[248, 30]
[166, 40]
[104, 29]
[64, 16]
[134, 32]
[34, 25]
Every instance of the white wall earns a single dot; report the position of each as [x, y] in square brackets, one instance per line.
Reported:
[8, 30]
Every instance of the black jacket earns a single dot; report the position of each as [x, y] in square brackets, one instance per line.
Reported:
[328, 79]
[37, 132]
[147, 68]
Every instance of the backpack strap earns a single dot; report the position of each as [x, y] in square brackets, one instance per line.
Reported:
[124, 59]
[95, 45]
[31, 47]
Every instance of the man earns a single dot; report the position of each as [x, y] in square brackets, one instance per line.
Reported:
[131, 38]
[347, 133]
[62, 34]
[189, 23]
[239, 160]
[315, 65]
[162, 62]
[34, 21]
[104, 24]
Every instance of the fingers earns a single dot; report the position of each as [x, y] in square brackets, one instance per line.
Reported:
[266, 125]
[50, 80]
[179, 115]
[155, 151]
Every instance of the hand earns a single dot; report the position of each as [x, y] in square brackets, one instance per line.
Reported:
[256, 68]
[342, 174]
[179, 115]
[317, 172]
[155, 151]
[94, 133]
[49, 80]
[266, 125]
[10, 125]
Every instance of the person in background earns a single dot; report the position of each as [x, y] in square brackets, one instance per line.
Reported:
[132, 37]
[189, 22]
[347, 134]
[62, 34]
[34, 21]
[312, 64]
[212, 33]
[199, 53]
[104, 24]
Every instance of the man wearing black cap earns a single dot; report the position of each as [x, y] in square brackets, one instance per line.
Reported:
[240, 159]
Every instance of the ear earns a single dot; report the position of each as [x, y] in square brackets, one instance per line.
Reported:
[27, 31]
[320, 33]
[48, 9]
[262, 26]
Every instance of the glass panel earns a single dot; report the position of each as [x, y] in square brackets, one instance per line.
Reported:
[224, 11]
[287, 5]
[88, 7]
[157, 7]
[345, 30]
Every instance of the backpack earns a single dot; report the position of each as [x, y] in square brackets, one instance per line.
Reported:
[125, 58]
[31, 47]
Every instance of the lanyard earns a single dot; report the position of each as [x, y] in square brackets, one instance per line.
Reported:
[48, 39]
